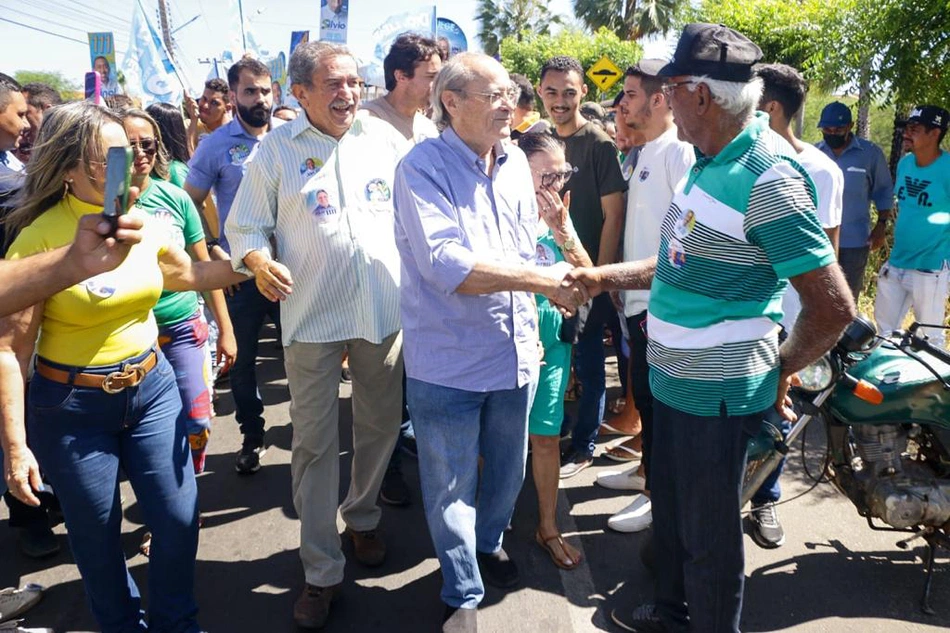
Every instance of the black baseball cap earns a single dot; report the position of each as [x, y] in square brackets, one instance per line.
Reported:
[713, 50]
[929, 115]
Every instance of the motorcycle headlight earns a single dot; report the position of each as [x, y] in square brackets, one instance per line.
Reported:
[817, 376]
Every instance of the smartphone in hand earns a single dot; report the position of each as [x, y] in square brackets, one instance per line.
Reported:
[93, 90]
[118, 178]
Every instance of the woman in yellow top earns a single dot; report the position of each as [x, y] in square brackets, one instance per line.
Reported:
[103, 397]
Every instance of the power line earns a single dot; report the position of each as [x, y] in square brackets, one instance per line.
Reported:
[99, 11]
[71, 27]
[71, 39]
[73, 14]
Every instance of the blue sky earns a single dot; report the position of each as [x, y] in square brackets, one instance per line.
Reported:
[205, 37]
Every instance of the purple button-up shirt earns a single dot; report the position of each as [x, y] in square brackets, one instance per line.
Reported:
[450, 214]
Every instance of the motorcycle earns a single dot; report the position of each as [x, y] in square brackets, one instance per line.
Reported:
[885, 402]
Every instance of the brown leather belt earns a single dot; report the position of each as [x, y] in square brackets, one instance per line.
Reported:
[129, 376]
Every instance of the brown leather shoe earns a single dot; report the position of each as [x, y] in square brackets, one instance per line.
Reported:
[312, 608]
[368, 546]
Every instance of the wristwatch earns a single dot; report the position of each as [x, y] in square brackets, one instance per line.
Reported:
[569, 244]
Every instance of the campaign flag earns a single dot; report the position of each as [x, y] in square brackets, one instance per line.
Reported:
[334, 15]
[421, 21]
[102, 60]
[150, 73]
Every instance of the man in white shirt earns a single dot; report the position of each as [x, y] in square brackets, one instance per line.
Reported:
[662, 163]
[782, 98]
[321, 187]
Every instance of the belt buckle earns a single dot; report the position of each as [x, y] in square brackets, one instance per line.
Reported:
[131, 375]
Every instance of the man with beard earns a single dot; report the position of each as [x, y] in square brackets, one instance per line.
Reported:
[219, 163]
[866, 180]
[333, 229]
[661, 165]
[39, 98]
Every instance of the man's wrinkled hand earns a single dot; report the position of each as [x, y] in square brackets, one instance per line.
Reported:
[273, 280]
[588, 277]
[22, 475]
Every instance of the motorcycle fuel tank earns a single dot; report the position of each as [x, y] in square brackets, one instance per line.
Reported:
[911, 392]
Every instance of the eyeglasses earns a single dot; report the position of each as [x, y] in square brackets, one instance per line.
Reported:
[510, 94]
[551, 178]
[147, 146]
[669, 88]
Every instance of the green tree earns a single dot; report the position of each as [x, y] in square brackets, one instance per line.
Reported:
[528, 54]
[55, 80]
[629, 19]
[499, 19]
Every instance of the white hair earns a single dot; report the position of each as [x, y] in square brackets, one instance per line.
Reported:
[454, 75]
[738, 99]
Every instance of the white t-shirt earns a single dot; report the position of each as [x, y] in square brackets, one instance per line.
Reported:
[829, 183]
[662, 165]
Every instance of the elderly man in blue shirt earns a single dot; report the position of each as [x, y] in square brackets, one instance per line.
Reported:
[466, 227]
[867, 179]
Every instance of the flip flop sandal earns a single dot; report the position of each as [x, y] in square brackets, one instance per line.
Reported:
[621, 453]
[606, 430]
[617, 406]
[545, 543]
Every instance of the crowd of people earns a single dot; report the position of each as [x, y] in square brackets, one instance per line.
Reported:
[467, 255]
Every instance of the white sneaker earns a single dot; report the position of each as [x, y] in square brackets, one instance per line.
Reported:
[627, 480]
[13, 626]
[13, 602]
[636, 517]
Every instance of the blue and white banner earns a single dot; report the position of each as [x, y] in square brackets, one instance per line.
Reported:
[334, 15]
[149, 71]
[453, 34]
[421, 21]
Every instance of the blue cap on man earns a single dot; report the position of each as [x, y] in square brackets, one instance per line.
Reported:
[835, 114]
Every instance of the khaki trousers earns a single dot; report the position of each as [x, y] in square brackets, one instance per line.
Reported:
[313, 373]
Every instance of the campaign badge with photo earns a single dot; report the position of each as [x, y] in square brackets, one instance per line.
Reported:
[102, 286]
[377, 190]
[544, 255]
[320, 205]
[239, 153]
[685, 224]
[676, 254]
[310, 167]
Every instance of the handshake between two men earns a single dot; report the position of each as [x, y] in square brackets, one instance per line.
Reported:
[577, 285]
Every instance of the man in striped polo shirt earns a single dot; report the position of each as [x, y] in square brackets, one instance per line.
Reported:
[321, 186]
[740, 226]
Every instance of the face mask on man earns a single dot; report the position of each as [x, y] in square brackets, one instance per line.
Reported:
[835, 141]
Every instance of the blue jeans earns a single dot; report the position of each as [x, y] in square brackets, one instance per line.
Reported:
[696, 480]
[83, 437]
[248, 309]
[465, 515]
[590, 371]
[771, 491]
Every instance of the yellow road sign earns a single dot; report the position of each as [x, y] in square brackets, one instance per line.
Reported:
[604, 73]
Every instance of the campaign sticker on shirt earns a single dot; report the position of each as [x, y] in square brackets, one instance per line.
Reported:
[627, 170]
[686, 224]
[544, 255]
[377, 190]
[644, 174]
[239, 153]
[676, 253]
[167, 220]
[310, 167]
[100, 286]
[320, 205]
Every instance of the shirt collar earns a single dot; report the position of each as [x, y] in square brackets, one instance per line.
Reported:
[453, 140]
[301, 124]
[742, 142]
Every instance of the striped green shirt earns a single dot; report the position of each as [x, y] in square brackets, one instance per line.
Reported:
[740, 224]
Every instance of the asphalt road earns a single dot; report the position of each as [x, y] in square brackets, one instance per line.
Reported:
[833, 574]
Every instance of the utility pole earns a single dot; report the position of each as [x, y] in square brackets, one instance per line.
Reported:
[166, 31]
[243, 35]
